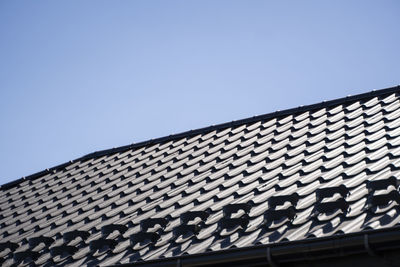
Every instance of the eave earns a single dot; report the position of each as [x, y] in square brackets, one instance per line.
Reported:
[372, 243]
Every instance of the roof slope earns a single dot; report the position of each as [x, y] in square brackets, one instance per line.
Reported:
[316, 171]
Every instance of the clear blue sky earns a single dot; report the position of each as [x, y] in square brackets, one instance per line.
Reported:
[82, 76]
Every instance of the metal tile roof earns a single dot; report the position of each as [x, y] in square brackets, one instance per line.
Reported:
[322, 170]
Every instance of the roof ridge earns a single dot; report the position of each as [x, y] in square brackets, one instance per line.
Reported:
[208, 128]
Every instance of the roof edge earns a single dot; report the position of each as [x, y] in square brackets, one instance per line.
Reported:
[365, 242]
[234, 123]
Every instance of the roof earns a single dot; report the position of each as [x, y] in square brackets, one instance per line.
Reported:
[330, 169]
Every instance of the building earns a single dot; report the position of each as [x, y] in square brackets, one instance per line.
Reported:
[311, 186]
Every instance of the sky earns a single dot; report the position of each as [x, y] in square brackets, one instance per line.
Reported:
[82, 76]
